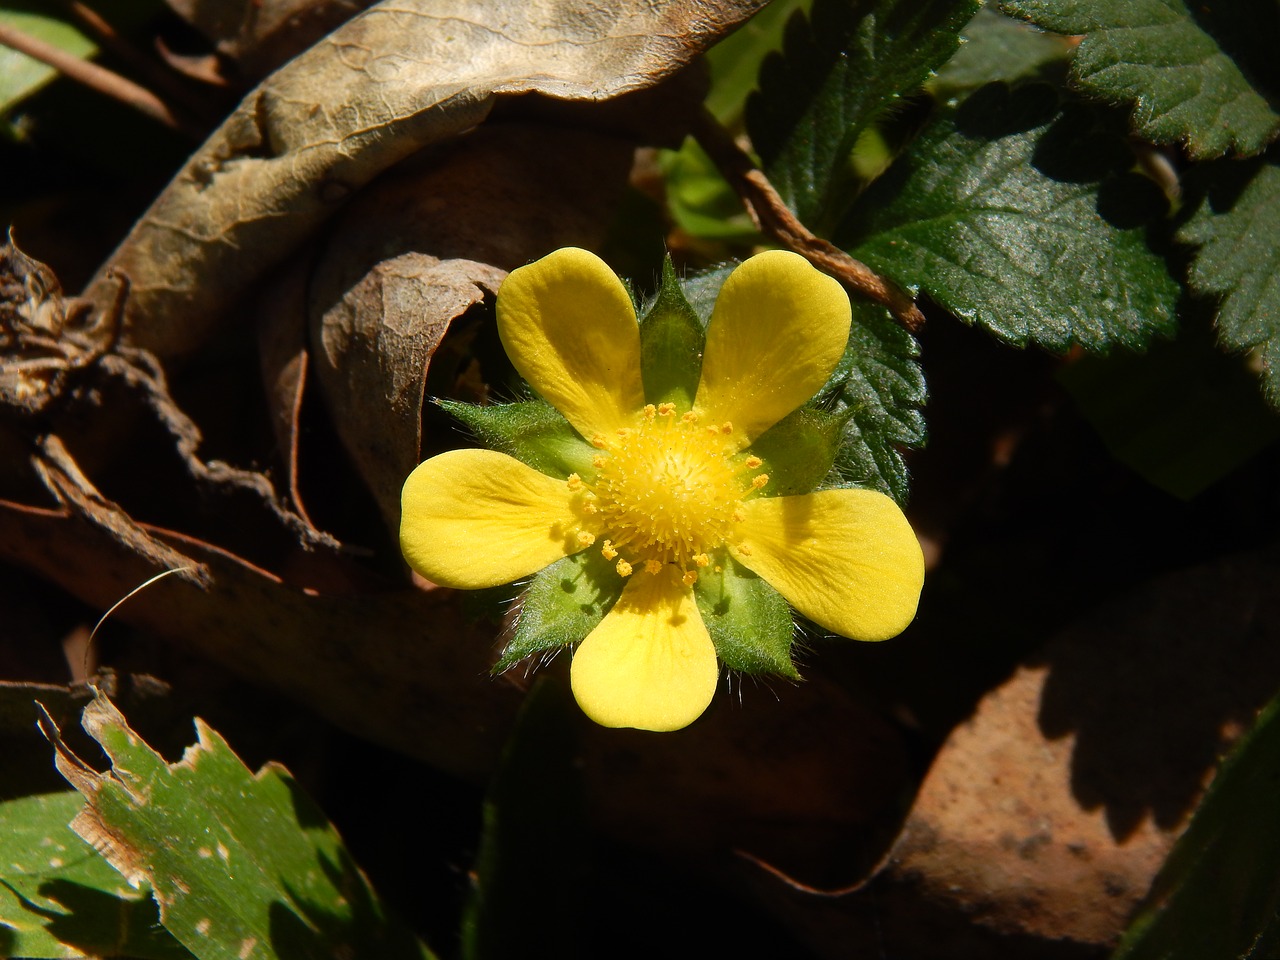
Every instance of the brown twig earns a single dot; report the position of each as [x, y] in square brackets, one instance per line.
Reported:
[96, 78]
[144, 64]
[774, 218]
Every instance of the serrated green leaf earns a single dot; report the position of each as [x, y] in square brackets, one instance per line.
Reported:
[1238, 229]
[838, 73]
[533, 856]
[997, 48]
[880, 387]
[58, 898]
[252, 871]
[531, 431]
[1190, 70]
[671, 344]
[1218, 894]
[1023, 219]
[749, 622]
[735, 60]
[799, 450]
[561, 605]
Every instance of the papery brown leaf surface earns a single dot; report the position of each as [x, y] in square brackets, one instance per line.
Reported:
[403, 75]
[420, 248]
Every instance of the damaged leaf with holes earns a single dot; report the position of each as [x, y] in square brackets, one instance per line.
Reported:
[252, 871]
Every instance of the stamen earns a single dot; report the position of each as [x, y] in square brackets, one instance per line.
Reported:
[575, 482]
[586, 539]
[607, 550]
[754, 462]
[726, 428]
[623, 568]
[599, 442]
[652, 566]
[759, 481]
[744, 549]
[666, 409]
[701, 559]
[689, 417]
[690, 578]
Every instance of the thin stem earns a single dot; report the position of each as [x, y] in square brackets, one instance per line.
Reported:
[95, 77]
[775, 219]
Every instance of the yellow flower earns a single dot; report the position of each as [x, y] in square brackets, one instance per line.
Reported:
[664, 494]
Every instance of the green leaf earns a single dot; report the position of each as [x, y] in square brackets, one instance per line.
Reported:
[561, 605]
[880, 386]
[671, 344]
[1238, 228]
[1189, 69]
[532, 864]
[20, 75]
[839, 73]
[1183, 415]
[749, 622]
[531, 431]
[1218, 894]
[735, 61]
[1023, 219]
[700, 200]
[997, 48]
[58, 898]
[244, 866]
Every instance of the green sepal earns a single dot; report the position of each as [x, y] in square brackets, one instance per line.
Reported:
[531, 431]
[798, 451]
[671, 344]
[749, 622]
[561, 605]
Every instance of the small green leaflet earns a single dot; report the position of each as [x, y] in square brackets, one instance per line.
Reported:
[243, 865]
[1022, 219]
[1191, 70]
[838, 73]
[1238, 229]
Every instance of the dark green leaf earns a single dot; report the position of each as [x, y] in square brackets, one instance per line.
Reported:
[749, 622]
[58, 898]
[531, 431]
[1189, 69]
[1218, 894]
[998, 48]
[251, 870]
[533, 856]
[671, 344]
[562, 604]
[1238, 228]
[839, 73]
[1182, 415]
[735, 60]
[1022, 219]
[880, 387]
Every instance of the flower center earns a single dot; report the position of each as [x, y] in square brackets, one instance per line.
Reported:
[669, 490]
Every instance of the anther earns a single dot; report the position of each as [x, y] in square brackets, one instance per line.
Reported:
[754, 462]
[759, 481]
[599, 460]
[586, 539]
[726, 428]
[575, 482]
[608, 552]
[690, 578]
[744, 549]
[599, 442]
[701, 559]
[666, 409]
[623, 568]
[689, 417]
[653, 566]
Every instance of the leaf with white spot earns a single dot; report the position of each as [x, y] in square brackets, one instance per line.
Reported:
[243, 866]
[58, 898]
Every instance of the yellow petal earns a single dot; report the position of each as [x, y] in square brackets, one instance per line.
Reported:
[476, 518]
[778, 329]
[568, 325]
[650, 663]
[847, 559]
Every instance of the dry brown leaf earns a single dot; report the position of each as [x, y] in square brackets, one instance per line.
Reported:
[419, 249]
[259, 35]
[405, 74]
